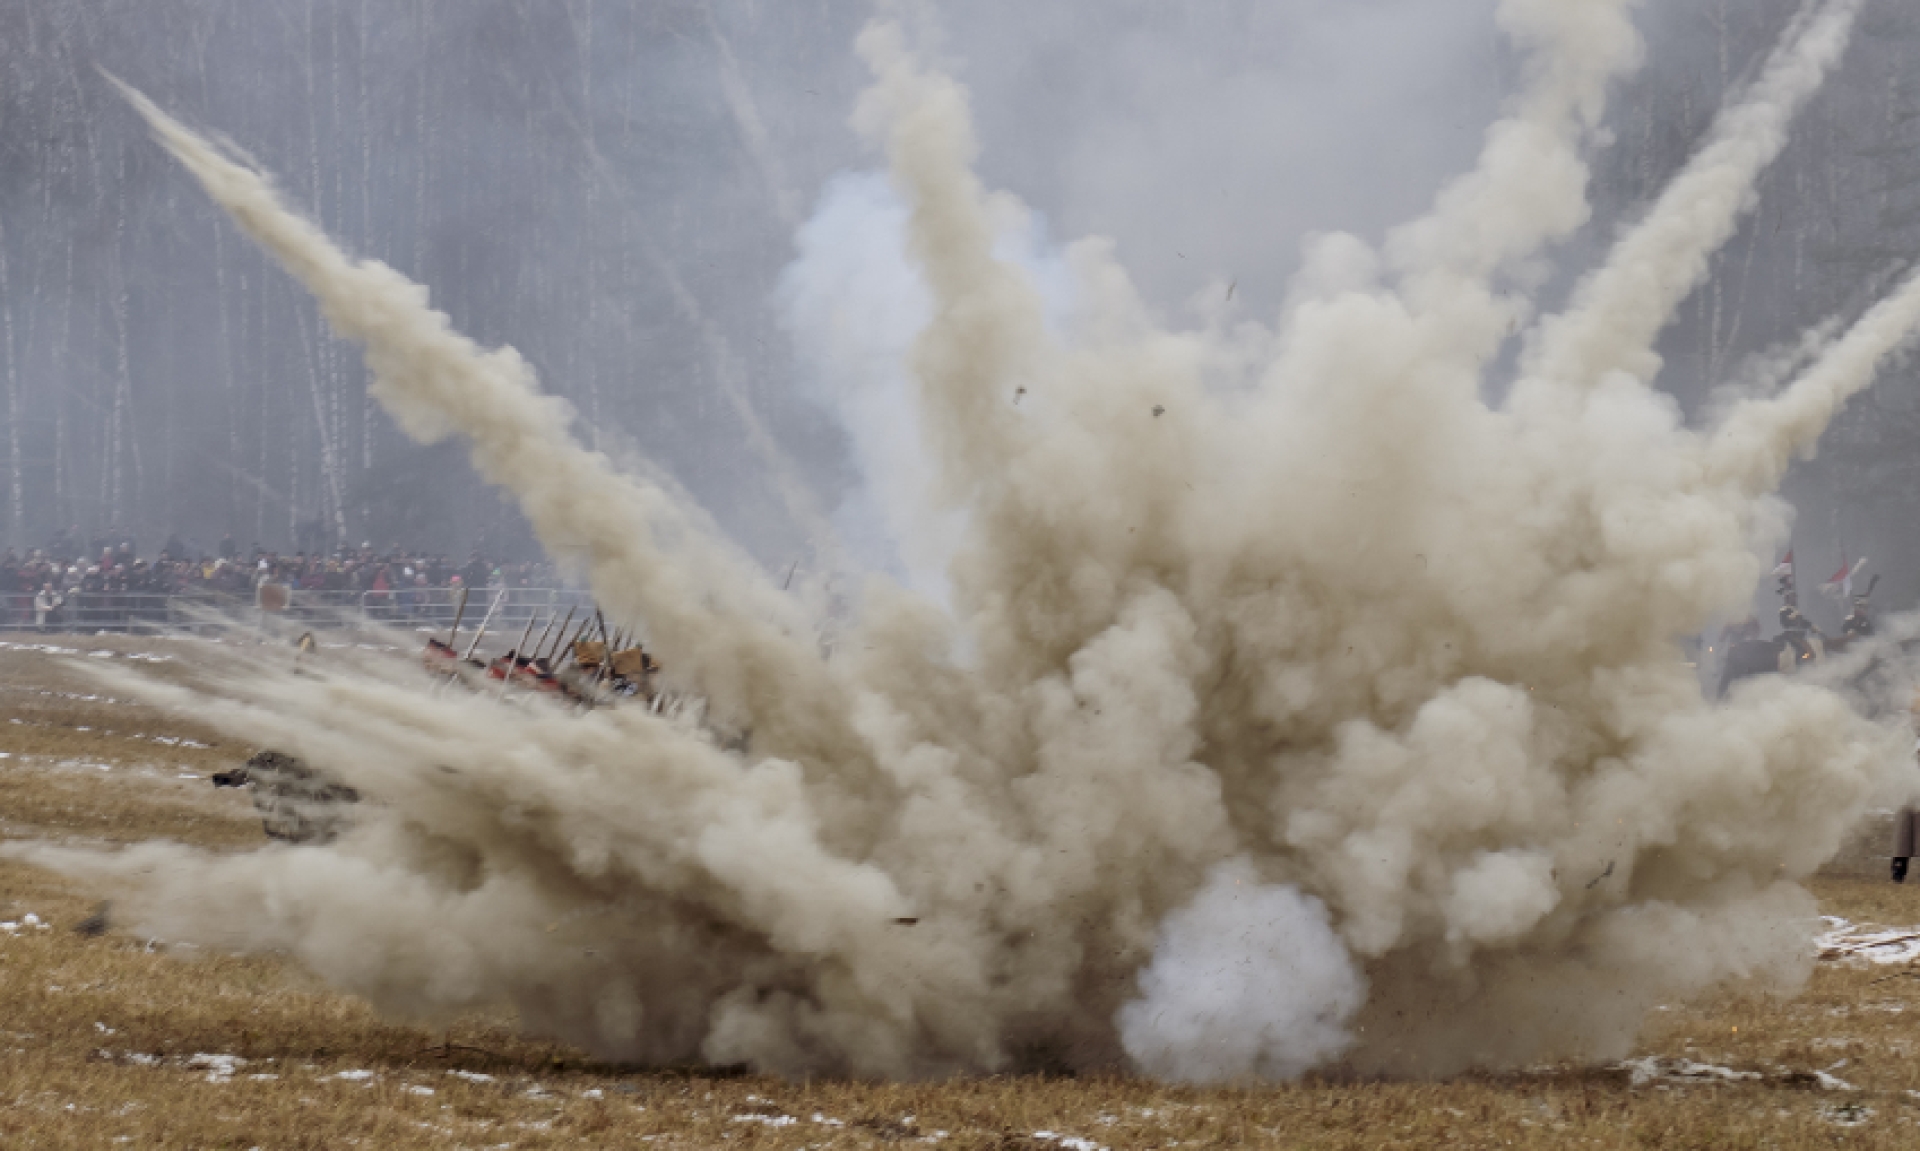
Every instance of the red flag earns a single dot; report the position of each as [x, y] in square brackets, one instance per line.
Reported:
[1841, 585]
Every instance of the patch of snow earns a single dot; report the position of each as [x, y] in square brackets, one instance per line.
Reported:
[1653, 1069]
[826, 1122]
[1843, 941]
[471, 1076]
[769, 1120]
[44, 648]
[353, 1076]
[592, 1093]
[1070, 1142]
[219, 1068]
[416, 1089]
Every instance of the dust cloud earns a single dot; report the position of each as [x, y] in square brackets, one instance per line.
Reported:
[1299, 695]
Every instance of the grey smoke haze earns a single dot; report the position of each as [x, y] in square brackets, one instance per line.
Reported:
[1357, 610]
[613, 189]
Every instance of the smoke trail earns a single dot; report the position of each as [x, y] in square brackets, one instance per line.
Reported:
[1529, 186]
[1755, 441]
[644, 557]
[1406, 657]
[1617, 313]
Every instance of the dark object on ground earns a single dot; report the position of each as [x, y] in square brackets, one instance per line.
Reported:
[296, 803]
[95, 925]
[1899, 869]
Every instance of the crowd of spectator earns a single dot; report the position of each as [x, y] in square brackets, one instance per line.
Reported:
[66, 584]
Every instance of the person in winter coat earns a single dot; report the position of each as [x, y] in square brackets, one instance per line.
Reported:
[45, 604]
[1906, 825]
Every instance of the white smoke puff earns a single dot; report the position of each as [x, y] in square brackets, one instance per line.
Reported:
[854, 302]
[1248, 981]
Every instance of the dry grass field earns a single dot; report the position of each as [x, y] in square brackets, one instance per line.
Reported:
[108, 1040]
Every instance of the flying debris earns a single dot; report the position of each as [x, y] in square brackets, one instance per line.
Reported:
[97, 921]
[297, 803]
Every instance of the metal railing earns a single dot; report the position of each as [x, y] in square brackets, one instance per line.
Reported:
[147, 612]
[435, 606]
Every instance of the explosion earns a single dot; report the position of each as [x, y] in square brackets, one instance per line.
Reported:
[1301, 696]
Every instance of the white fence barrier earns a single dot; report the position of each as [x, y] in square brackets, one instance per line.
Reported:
[146, 613]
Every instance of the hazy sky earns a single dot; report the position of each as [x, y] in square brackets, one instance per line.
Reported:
[616, 188]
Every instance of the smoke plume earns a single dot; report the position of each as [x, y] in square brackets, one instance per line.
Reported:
[1293, 702]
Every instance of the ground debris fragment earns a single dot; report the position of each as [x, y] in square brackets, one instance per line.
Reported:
[96, 922]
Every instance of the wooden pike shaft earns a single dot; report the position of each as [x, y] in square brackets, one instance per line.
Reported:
[573, 645]
[478, 636]
[558, 639]
[542, 645]
[520, 653]
[606, 648]
[458, 613]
